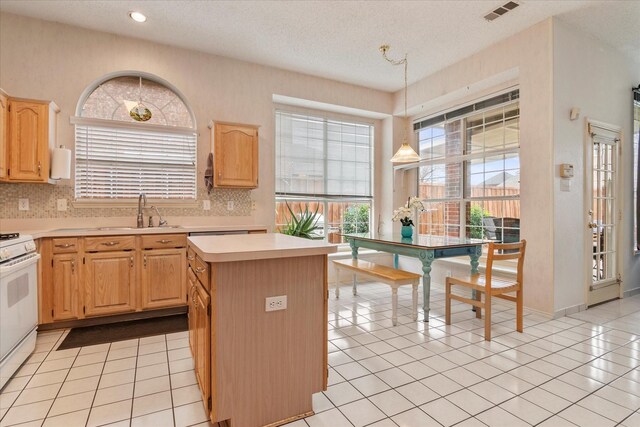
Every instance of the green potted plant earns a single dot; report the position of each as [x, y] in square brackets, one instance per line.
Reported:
[303, 225]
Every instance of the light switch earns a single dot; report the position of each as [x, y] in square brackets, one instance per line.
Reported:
[565, 184]
[23, 204]
[206, 205]
[62, 204]
[230, 205]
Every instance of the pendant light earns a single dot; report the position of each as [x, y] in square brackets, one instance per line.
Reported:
[405, 153]
[137, 110]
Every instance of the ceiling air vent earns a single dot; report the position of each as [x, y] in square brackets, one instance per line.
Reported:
[497, 13]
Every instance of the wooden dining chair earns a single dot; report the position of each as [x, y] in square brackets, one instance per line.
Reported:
[491, 287]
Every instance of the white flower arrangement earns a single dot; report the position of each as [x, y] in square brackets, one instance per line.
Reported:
[404, 214]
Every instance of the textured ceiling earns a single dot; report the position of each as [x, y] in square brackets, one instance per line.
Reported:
[339, 39]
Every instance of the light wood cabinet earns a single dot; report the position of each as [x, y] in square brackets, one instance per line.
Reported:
[192, 283]
[30, 137]
[110, 281]
[4, 119]
[164, 278]
[235, 150]
[65, 282]
[202, 358]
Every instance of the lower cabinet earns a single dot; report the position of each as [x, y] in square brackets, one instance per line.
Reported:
[65, 272]
[202, 361]
[164, 274]
[200, 335]
[109, 283]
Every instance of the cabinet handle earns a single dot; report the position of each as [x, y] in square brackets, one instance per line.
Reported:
[190, 258]
[131, 262]
[200, 270]
[73, 267]
[111, 243]
[145, 261]
[39, 169]
[163, 241]
[64, 246]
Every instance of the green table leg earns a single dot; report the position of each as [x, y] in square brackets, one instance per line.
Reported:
[475, 261]
[427, 258]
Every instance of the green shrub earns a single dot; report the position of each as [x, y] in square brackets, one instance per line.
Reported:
[475, 221]
[356, 219]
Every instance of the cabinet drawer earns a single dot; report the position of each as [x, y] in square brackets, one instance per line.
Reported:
[201, 270]
[109, 243]
[156, 241]
[63, 246]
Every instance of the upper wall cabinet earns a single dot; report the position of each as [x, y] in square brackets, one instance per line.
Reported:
[4, 118]
[29, 137]
[235, 150]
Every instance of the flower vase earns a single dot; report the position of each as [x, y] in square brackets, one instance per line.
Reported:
[406, 231]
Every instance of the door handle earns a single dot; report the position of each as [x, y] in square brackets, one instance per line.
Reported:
[111, 243]
[39, 169]
[592, 225]
[64, 246]
[145, 261]
[163, 241]
[131, 262]
[73, 267]
[199, 270]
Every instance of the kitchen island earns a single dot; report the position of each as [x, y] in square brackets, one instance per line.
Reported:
[258, 325]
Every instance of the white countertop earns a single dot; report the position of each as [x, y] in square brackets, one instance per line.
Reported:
[119, 231]
[246, 247]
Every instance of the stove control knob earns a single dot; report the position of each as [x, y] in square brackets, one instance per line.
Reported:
[4, 254]
[30, 246]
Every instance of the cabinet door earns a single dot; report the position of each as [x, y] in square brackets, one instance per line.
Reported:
[28, 141]
[110, 283]
[65, 286]
[192, 283]
[164, 278]
[203, 333]
[4, 152]
[236, 156]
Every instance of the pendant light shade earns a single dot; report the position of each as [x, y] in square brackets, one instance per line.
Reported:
[405, 153]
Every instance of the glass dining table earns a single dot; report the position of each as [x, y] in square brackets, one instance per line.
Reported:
[425, 248]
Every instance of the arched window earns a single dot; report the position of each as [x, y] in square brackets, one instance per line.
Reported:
[134, 134]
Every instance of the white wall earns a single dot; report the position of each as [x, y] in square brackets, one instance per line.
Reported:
[46, 60]
[592, 76]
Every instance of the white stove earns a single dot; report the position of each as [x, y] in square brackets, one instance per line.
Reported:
[18, 303]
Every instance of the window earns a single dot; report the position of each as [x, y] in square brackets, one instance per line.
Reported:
[119, 158]
[324, 164]
[636, 165]
[469, 177]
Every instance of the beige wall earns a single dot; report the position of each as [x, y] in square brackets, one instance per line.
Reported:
[526, 60]
[46, 60]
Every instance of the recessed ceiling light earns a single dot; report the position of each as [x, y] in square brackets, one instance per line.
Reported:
[137, 16]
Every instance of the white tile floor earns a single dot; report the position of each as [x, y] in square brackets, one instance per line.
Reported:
[581, 370]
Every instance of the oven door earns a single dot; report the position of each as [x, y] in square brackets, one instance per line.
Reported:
[18, 300]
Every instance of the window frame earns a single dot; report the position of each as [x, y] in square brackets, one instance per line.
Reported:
[463, 199]
[326, 199]
[79, 120]
[636, 169]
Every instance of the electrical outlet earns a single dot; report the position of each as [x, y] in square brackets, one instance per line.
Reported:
[206, 205]
[62, 204]
[275, 303]
[230, 205]
[253, 205]
[23, 204]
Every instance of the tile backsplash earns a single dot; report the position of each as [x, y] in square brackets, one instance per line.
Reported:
[43, 203]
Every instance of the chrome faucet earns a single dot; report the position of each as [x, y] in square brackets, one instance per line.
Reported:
[161, 221]
[141, 197]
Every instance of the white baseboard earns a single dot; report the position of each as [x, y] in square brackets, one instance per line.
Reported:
[569, 310]
[631, 292]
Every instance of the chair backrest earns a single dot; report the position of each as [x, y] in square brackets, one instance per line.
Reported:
[492, 230]
[504, 251]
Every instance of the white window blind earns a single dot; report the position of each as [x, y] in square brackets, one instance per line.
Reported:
[319, 157]
[119, 162]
